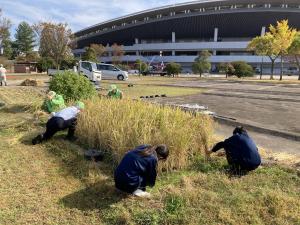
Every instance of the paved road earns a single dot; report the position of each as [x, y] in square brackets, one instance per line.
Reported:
[265, 141]
[271, 106]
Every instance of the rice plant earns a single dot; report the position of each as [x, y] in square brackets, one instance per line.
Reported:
[117, 126]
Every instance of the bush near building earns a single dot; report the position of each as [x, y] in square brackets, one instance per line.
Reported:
[118, 126]
[45, 63]
[242, 69]
[72, 86]
[173, 69]
[226, 68]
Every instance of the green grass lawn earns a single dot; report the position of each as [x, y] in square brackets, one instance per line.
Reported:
[52, 184]
[151, 89]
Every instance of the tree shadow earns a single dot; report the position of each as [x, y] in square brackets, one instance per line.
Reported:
[98, 196]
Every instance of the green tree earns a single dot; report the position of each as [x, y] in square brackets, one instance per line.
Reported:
[242, 69]
[202, 63]
[294, 51]
[5, 42]
[45, 63]
[89, 55]
[264, 46]
[275, 43]
[141, 66]
[227, 68]
[284, 36]
[25, 38]
[55, 41]
[173, 69]
[99, 50]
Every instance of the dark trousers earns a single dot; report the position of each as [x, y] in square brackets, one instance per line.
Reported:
[56, 124]
[128, 188]
[237, 166]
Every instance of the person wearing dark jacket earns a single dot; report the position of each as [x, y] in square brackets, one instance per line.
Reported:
[241, 151]
[138, 169]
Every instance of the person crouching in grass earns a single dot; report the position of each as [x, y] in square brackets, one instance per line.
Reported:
[138, 169]
[64, 119]
[241, 152]
[54, 102]
[114, 92]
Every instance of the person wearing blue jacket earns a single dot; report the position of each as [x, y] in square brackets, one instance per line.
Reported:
[138, 169]
[241, 151]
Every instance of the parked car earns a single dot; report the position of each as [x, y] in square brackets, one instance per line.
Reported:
[89, 69]
[110, 71]
[86, 68]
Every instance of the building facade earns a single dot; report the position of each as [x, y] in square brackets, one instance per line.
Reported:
[176, 33]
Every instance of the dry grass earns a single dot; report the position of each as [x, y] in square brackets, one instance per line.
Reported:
[118, 126]
[52, 184]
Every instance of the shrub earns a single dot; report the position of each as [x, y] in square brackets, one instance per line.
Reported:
[72, 86]
[45, 63]
[242, 69]
[118, 126]
[173, 68]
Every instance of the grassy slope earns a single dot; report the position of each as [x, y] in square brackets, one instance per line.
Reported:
[52, 184]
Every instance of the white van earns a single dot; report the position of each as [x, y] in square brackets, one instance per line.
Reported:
[110, 71]
[89, 69]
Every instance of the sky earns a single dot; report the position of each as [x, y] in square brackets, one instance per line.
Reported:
[78, 14]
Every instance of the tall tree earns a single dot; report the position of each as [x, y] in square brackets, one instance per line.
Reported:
[264, 46]
[117, 53]
[5, 42]
[25, 38]
[283, 35]
[99, 50]
[202, 63]
[275, 43]
[89, 55]
[54, 41]
[294, 52]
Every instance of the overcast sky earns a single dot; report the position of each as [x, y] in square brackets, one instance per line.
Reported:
[78, 14]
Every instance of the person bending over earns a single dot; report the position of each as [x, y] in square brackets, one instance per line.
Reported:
[64, 119]
[114, 92]
[241, 151]
[138, 169]
[54, 102]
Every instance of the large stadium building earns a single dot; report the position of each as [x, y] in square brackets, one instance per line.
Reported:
[176, 33]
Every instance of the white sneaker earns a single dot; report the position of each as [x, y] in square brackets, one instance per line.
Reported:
[142, 194]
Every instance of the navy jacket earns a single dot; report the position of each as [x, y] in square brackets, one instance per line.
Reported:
[135, 171]
[241, 149]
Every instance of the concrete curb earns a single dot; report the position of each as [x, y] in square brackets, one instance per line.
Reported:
[250, 127]
[263, 130]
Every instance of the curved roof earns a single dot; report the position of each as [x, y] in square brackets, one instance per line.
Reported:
[193, 19]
